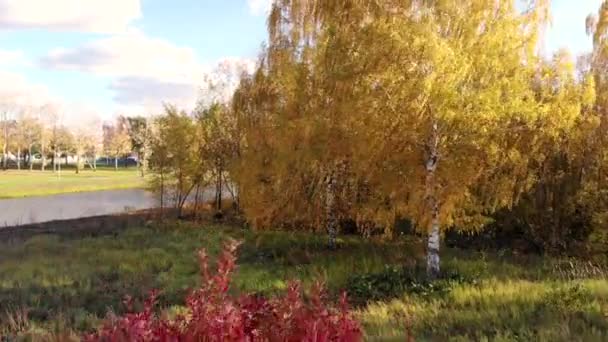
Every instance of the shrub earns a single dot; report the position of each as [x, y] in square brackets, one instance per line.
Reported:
[212, 314]
[395, 281]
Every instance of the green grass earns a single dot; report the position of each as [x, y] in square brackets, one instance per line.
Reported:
[15, 184]
[69, 284]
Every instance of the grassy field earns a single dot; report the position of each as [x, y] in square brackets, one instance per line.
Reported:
[69, 284]
[14, 184]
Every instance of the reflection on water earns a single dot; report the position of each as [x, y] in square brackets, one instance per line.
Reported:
[28, 210]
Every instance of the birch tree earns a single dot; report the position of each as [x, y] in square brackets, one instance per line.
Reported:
[174, 157]
[8, 131]
[218, 147]
[300, 98]
[412, 99]
[116, 141]
[82, 142]
[452, 77]
[30, 130]
[140, 136]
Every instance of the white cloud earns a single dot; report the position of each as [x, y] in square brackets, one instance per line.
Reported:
[147, 72]
[16, 90]
[148, 94]
[18, 94]
[12, 57]
[129, 54]
[259, 7]
[100, 16]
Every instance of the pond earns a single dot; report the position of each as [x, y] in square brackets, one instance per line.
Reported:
[20, 211]
[28, 210]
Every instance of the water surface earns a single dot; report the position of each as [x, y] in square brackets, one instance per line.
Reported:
[19, 211]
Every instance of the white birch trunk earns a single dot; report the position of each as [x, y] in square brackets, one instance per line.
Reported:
[432, 253]
[330, 213]
[432, 257]
[18, 158]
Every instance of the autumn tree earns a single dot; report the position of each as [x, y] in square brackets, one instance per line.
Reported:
[94, 149]
[159, 162]
[451, 81]
[218, 147]
[173, 159]
[116, 140]
[554, 155]
[27, 134]
[139, 134]
[294, 115]
[83, 142]
[594, 195]
[31, 131]
[62, 144]
[47, 115]
[8, 128]
[375, 110]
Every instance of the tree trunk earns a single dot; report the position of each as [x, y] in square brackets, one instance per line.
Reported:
[66, 159]
[330, 212]
[29, 158]
[4, 155]
[5, 146]
[18, 158]
[54, 160]
[218, 191]
[162, 194]
[196, 200]
[116, 163]
[77, 163]
[432, 253]
[432, 258]
[143, 162]
[139, 164]
[43, 158]
[230, 189]
[94, 161]
[59, 164]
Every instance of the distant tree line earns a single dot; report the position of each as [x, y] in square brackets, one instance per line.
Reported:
[34, 137]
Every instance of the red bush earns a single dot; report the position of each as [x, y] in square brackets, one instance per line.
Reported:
[214, 315]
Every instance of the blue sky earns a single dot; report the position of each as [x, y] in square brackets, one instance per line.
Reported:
[127, 56]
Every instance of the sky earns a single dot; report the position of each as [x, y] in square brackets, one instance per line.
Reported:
[100, 58]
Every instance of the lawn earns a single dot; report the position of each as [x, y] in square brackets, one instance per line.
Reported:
[70, 284]
[14, 184]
